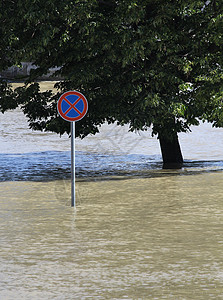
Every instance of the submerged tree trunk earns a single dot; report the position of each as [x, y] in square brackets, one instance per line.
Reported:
[171, 152]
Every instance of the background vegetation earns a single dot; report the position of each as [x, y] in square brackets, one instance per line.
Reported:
[146, 63]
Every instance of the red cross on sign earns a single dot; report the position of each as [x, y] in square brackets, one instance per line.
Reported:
[72, 106]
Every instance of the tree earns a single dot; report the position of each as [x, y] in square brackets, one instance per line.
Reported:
[144, 63]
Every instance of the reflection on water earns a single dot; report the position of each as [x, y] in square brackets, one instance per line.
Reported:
[153, 238]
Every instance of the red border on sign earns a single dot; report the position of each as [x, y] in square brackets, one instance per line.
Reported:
[64, 114]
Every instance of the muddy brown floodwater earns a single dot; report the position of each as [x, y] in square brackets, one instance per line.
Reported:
[138, 232]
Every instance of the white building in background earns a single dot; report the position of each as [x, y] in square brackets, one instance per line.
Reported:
[23, 71]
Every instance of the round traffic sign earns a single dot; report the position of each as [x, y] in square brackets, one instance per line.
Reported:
[72, 106]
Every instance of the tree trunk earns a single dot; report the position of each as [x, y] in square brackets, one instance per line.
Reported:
[171, 152]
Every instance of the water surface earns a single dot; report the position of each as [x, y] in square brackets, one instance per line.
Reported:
[152, 238]
[143, 233]
[29, 155]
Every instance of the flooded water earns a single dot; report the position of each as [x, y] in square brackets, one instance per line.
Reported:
[138, 232]
[28, 155]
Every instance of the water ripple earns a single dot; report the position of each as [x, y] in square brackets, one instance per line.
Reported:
[53, 165]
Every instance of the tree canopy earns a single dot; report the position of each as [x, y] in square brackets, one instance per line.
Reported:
[146, 63]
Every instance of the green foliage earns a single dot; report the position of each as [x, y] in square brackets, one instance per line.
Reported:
[143, 62]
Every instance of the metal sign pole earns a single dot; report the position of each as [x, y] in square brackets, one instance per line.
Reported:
[72, 163]
[72, 106]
